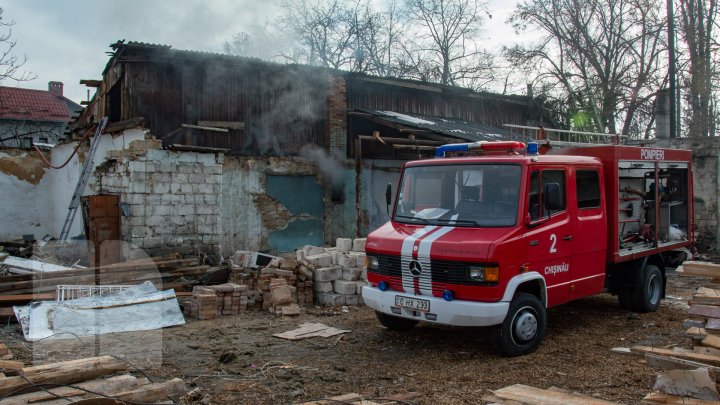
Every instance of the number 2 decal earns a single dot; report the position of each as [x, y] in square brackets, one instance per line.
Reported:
[553, 239]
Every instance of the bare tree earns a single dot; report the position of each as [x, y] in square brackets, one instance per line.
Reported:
[603, 56]
[698, 19]
[448, 37]
[10, 64]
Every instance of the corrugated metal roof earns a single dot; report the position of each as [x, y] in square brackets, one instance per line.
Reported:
[451, 127]
[34, 105]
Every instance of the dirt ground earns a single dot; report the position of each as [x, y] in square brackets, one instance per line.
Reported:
[235, 360]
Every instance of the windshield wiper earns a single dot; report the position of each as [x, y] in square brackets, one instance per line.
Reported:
[418, 219]
[458, 221]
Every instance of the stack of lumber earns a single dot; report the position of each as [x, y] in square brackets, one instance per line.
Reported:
[70, 381]
[165, 272]
[690, 376]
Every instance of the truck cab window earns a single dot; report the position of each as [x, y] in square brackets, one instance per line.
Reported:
[536, 206]
[588, 188]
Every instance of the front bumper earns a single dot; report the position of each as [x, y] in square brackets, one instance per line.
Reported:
[456, 313]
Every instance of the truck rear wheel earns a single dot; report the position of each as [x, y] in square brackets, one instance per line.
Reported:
[524, 326]
[395, 322]
[645, 298]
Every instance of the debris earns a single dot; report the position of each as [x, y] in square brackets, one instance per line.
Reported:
[18, 265]
[524, 394]
[310, 330]
[688, 383]
[141, 307]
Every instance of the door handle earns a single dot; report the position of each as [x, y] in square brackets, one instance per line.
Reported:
[568, 237]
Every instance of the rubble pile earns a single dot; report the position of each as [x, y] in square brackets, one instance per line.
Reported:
[338, 273]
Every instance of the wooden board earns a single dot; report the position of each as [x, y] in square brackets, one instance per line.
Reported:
[704, 311]
[524, 394]
[310, 330]
[700, 269]
[674, 363]
[692, 356]
[712, 341]
[659, 398]
[712, 324]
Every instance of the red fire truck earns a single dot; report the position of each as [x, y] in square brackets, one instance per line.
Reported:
[494, 233]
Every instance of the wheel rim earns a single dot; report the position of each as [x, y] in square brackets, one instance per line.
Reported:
[525, 325]
[654, 289]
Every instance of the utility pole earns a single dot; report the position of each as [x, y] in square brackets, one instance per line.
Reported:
[672, 91]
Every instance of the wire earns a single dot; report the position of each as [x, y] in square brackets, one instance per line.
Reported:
[47, 163]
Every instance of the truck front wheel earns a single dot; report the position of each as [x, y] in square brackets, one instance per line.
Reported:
[395, 322]
[524, 326]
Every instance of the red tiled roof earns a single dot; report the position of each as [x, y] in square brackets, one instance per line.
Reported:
[28, 104]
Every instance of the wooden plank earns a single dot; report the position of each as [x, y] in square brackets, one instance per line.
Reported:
[692, 356]
[223, 124]
[309, 330]
[712, 341]
[345, 398]
[91, 82]
[705, 311]
[11, 365]
[688, 383]
[700, 269]
[189, 126]
[106, 386]
[712, 324]
[33, 265]
[535, 396]
[706, 350]
[696, 333]
[659, 398]
[674, 363]
[67, 372]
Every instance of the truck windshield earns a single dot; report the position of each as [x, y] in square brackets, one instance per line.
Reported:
[469, 195]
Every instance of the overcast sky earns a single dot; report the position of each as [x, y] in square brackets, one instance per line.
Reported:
[66, 40]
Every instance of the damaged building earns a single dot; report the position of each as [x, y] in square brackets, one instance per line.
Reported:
[224, 153]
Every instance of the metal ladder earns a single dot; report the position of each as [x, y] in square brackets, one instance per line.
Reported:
[563, 137]
[82, 182]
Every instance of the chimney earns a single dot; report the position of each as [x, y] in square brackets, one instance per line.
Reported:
[56, 88]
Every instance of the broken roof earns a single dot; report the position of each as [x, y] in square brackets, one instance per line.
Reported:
[450, 127]
[34, 105]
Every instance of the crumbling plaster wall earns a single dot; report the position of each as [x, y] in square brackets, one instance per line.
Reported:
[34, 198]
[24, 203]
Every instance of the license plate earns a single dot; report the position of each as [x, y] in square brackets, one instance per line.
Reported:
[412, 303]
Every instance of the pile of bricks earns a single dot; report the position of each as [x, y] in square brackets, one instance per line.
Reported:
[338, 273]
[210, 302]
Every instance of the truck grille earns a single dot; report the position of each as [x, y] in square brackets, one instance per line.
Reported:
[441, 271]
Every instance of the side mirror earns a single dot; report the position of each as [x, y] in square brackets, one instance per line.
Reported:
[552, 197]
[388, 197]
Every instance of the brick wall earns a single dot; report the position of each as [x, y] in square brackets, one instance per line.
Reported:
[337, 116]
[172, 199]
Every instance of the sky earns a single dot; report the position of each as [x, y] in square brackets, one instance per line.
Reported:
[67, 41]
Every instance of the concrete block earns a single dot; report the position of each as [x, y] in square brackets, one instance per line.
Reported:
[345, 287]
[157, 155]
[359, 244]
[351, 274]
[360, 285]
[135, 199]
[184, 210]
[363, 275]
[344, 244]
[205, 158]
[153, 199]
[137, 210]
[186, 188]
[175, 188]
[327, 274]
[330, 299]
[161, 188]
[321, 260]
[139, 232]
[137, 187]
[180, 177]
[196, 178]
[310, 250]
[187, 157]
[212, 169]
[155, 221]
[204, 189]
[323, 287]
[211, 199]
[136, 166]
[160, 177]
[165, 167]
[346, 261]
[150, 167]
[186, 169]
[352, 300]
[160, 210]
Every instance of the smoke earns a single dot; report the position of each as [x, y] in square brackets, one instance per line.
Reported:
[328, 165]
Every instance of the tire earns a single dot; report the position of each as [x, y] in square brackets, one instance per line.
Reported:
[395, 322]
[646, 297]
[649, 295]
[523, 329]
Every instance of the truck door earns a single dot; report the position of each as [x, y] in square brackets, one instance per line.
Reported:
[587, 268]
[549, 234]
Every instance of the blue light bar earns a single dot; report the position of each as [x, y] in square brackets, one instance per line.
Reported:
[451, 147]
[532, 148]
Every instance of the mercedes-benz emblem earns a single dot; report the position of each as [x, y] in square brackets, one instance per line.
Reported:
[415, 268]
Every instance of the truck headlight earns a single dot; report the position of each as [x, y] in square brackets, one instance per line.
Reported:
[490, 274]
[371, 262]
